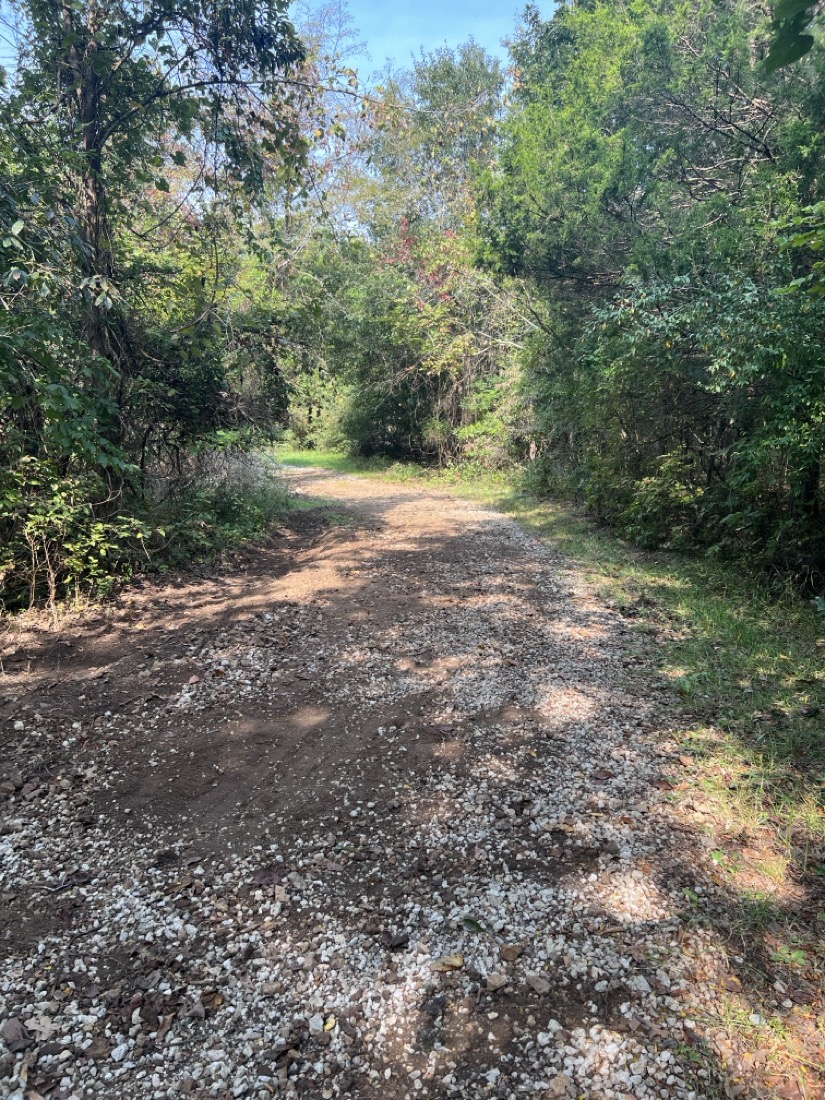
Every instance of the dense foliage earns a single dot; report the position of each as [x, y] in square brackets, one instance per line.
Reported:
[603, 262]
[657, 184]
[135, 140]
[609, 265]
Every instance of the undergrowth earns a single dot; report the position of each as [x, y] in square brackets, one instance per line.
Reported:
[65, 552]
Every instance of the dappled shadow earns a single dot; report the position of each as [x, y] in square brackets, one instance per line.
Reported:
[416, 738]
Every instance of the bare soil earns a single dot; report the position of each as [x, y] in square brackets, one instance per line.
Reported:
[284, 791]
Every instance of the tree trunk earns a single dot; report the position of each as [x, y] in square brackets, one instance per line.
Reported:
[82, 74]
[93, 203]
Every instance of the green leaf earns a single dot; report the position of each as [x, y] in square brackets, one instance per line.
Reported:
[475, 926]
[18, 227]
[787, 9]
[787, 48]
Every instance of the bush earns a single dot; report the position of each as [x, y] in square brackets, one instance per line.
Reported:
[58, 542]
[220, 497]
[70, 536]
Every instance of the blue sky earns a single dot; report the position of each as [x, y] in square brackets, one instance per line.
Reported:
[398, 29]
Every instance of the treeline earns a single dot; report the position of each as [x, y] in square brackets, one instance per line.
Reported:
[608, 267]
[600, 262]
[652, 176]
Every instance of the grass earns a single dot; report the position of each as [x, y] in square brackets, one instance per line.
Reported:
[746, 663]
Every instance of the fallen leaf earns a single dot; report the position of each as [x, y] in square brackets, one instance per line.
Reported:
[15, 1036]
[164, 1027]
[98, 1048]
[474, 926]
[42, 1027]
[448, 962]
[510, 952]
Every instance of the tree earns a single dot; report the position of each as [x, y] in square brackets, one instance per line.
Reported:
[114, 85]
[138, 140]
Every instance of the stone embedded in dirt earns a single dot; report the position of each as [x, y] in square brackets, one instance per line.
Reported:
[538, 984]
[393, 941]
[496, 981]
[510, 952]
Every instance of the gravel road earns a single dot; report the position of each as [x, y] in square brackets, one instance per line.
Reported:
[385, 813]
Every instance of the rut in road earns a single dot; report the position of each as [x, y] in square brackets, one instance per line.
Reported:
[383, 819]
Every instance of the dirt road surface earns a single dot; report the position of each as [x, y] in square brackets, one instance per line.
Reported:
[382, 811]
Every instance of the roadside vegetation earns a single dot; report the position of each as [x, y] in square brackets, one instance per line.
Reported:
[598, 259]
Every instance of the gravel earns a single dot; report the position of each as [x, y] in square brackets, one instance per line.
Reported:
[497, 911]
